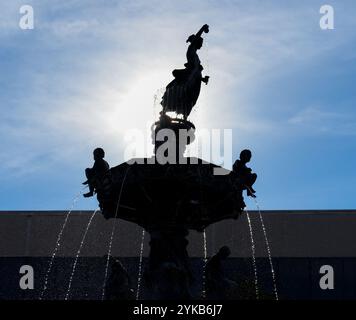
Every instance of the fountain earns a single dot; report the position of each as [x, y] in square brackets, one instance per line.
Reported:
[168, 195]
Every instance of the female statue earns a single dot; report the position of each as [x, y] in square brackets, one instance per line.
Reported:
[182, 93]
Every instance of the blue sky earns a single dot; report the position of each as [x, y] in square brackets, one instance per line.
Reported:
[89, 70]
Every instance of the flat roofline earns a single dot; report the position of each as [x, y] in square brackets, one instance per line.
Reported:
[84, 212]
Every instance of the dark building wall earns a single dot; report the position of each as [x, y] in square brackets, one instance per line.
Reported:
[300, 241]
[291, 234]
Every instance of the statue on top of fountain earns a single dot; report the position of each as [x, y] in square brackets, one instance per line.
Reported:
[182, 93]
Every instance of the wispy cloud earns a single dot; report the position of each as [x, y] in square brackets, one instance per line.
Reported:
[317, 120]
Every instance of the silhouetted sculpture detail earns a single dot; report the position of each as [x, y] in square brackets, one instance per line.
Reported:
[168, 272]
[243, 174]
[170, 199]
[180, 97]
[175, 125]
[183, 92]
[96, 175]
[218, 285]
[118, 285]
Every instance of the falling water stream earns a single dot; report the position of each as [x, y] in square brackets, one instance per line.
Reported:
[78, 253]
[139, 276]
[58, 244]
[268, 250]
[203, 293]
[112, 235]
[253, 249]
[204, 265]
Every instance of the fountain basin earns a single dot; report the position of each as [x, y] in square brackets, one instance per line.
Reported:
[185, 195]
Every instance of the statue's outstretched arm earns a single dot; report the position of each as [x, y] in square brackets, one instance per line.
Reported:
[204, 28]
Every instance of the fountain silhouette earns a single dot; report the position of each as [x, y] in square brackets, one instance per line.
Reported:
[168, 195]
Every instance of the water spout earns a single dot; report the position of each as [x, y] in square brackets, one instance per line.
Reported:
[112, 235]
[204, 265]
[140, 265]
[78, 253]
[253, 249]
[268, 250]
[58, 244]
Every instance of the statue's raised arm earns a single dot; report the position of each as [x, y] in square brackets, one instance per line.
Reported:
[196, 42]
[204, 28]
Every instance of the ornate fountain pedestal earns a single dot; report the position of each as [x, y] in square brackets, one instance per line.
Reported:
[168, 273]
